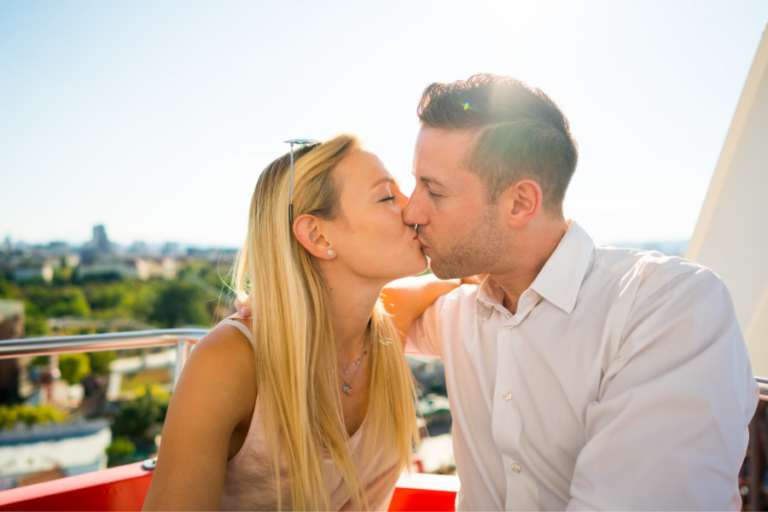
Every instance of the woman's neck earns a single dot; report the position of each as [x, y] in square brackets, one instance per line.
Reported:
[352, 303]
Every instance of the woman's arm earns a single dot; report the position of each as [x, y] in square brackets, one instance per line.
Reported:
[406, 299]
[216, 393]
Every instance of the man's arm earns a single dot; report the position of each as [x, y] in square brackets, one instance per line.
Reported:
[670, 428]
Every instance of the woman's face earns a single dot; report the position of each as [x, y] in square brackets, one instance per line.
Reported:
[369, 236]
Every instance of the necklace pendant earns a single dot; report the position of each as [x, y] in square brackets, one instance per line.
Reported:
[347, 389]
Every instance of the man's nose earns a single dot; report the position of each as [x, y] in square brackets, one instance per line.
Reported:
[413, 213]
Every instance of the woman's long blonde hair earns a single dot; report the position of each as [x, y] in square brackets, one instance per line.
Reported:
[294, 338]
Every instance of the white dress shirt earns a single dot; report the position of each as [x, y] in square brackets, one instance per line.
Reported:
[622, 382]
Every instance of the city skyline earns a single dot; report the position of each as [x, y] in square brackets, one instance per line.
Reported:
[162, 245]
[156, 119]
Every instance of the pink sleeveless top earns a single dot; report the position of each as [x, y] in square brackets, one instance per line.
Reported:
[249, 482]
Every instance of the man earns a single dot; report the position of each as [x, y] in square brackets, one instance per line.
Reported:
[580, 377]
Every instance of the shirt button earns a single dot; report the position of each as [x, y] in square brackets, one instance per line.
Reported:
[517, 468]
[507, 395]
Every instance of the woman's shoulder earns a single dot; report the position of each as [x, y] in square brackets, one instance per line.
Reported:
[233, 324]
[223, 359]
[231, 336]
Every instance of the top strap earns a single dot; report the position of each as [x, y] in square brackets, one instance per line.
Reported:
[246, 331]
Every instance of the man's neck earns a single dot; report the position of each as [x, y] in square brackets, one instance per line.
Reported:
[533, 247]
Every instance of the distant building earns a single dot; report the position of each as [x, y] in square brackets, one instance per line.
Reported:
[100, 240]
[11, 319]
[99, 246]
[29, 271]
[44, 452]
[11, 328]
[58, 248]
[164, 268]
[213, 254]
[171, 249]
[139, 249]
[128, 268]
[121, 268]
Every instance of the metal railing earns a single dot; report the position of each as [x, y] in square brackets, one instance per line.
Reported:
[763, 383]
[180, 338]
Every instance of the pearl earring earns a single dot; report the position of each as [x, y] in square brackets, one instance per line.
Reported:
[330, 252]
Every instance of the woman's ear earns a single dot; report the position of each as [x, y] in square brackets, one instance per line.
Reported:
[310, 233]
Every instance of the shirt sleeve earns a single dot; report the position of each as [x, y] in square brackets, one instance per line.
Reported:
[670, 428]
[425, 334]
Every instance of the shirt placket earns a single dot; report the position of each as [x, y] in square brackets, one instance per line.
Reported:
[507, 419]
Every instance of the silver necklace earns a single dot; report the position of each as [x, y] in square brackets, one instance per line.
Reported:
[347, 388]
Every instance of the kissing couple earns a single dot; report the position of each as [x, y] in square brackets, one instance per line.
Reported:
[580, 377]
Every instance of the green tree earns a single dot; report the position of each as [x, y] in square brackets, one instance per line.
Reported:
[100, 361]
[138, 415]
[120, 452]
[74, 367]
[109, 295]
[129, 299]
[35, 323]
[8, 290]
[62, 276]
[10, 415]
[40, 361]
[180, 303]
[58, 301]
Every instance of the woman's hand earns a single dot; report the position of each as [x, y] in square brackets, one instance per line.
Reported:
[242, 307]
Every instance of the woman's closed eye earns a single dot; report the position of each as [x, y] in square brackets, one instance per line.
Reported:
[390, 198]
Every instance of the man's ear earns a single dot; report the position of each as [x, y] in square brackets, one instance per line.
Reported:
[310, 233]
[521, 202]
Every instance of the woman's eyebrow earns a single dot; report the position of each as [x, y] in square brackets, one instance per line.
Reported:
[388, 179]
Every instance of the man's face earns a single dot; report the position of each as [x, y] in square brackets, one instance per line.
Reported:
[461, 234]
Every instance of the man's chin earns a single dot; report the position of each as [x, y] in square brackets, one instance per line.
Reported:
[440, 271]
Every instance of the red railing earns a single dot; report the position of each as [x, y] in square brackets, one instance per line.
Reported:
[124, 488]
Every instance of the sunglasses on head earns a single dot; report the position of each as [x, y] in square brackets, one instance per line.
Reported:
[298, 142]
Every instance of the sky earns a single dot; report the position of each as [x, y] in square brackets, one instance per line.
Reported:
[155, 118]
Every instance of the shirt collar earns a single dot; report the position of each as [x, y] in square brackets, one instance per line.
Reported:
[490, 296]
[558, 282]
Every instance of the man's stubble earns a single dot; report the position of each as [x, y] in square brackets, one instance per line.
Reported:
[472, 253]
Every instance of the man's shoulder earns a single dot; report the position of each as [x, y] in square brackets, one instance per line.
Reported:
[456, 302]
[461, 297]
[649, 271]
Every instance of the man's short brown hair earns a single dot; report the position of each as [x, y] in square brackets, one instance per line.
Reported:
[521, 133]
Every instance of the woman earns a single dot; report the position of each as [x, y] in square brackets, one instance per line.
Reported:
[313, 396]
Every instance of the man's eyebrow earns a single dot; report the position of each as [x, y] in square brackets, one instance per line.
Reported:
[388, 179]
[424, 179]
